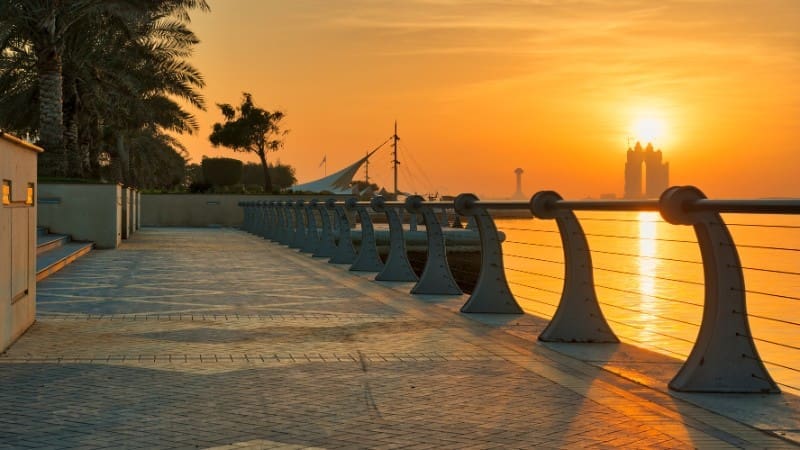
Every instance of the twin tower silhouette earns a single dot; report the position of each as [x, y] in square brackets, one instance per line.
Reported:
[645, 163]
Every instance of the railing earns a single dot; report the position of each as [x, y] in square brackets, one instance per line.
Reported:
[723, 357]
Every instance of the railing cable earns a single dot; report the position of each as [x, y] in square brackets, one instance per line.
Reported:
[532, 244]
[655, 277]
[538, 274]
[639, 238]
[658, 297]
[781, 272]
[768, 294]
[637, 311]
[537, 288]
[764, 247]
[528, 229]
[633, 255]
[532, 258]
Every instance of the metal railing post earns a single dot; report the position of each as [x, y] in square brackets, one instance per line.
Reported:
[724, 357]
[436, 279]
[397, 267]
[326, 246]
[491, 293]
[299, 235]
[312, 233]
[246, 220]
[578, 317]
[287, 230]
[367, 258]
[274, 226]
[263, 222]
[269, 231]
[345, 252]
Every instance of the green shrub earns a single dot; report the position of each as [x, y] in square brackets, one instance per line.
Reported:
[222, 171]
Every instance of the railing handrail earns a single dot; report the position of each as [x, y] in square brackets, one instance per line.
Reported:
[749, 206]
[606, 205]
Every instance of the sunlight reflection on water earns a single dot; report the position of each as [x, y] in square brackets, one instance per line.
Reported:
[649, 280]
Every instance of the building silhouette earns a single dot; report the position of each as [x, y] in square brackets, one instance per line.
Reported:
[645, 163]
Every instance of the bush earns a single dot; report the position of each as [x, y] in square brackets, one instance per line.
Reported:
[199, 187]
[282, 175]
[222, 171]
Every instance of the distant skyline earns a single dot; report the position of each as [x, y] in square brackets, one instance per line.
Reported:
[480, 88]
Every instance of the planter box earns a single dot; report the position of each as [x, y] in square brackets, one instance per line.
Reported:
[17, 237]
[87, 212]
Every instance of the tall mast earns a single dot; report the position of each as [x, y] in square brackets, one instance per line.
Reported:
[395, 162]
[366, 169]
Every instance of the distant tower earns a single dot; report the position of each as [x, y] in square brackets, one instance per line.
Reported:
[519, 195]
[656, 178]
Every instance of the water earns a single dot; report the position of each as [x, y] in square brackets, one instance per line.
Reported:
[649, 280]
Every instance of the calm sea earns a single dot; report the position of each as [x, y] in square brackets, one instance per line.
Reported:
[649, 280]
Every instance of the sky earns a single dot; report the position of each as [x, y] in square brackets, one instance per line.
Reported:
[479, 88]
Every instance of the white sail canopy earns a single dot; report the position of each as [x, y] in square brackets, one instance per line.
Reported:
[335, 183]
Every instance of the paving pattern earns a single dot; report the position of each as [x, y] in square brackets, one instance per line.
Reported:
[195, 338]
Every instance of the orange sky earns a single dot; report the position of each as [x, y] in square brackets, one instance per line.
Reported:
[481, 87]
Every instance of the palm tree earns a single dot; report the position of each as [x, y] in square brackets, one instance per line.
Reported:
[40, 28]
[126, 60]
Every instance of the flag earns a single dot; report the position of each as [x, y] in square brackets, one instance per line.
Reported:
[324, 160]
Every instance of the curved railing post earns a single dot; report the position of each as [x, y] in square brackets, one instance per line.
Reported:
[312, 234]
[269, 232]
[247, 213]
[397, 267]
[299, 235]
[287, 230]
[491, 294]
[345, 252]
[244, 213]
[724, 357]
[367, 258]
[578, 317]
[436, 279]
[271, 221]
[327, 246]
[261, 229]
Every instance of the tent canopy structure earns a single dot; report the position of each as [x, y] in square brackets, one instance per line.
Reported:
[335, 183]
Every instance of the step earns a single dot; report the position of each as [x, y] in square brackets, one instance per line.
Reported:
[41, 231]
[55, 259]
[47, 242]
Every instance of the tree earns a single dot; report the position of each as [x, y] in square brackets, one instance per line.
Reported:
[253, 129]
[102, 73]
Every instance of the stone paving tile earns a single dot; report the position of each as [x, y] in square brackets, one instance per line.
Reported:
[191, 338]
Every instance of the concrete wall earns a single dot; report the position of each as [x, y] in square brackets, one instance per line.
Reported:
[87, 212]
[126, 227]
[201, 210]
[17, 238]
[137, 210]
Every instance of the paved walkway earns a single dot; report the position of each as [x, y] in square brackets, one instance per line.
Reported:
[193, 338]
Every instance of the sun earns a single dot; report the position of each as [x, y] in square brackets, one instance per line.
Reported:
[649, 129]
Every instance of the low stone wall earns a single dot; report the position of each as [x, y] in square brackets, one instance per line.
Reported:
[17, 238]
[87, 212]
[201, 210]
